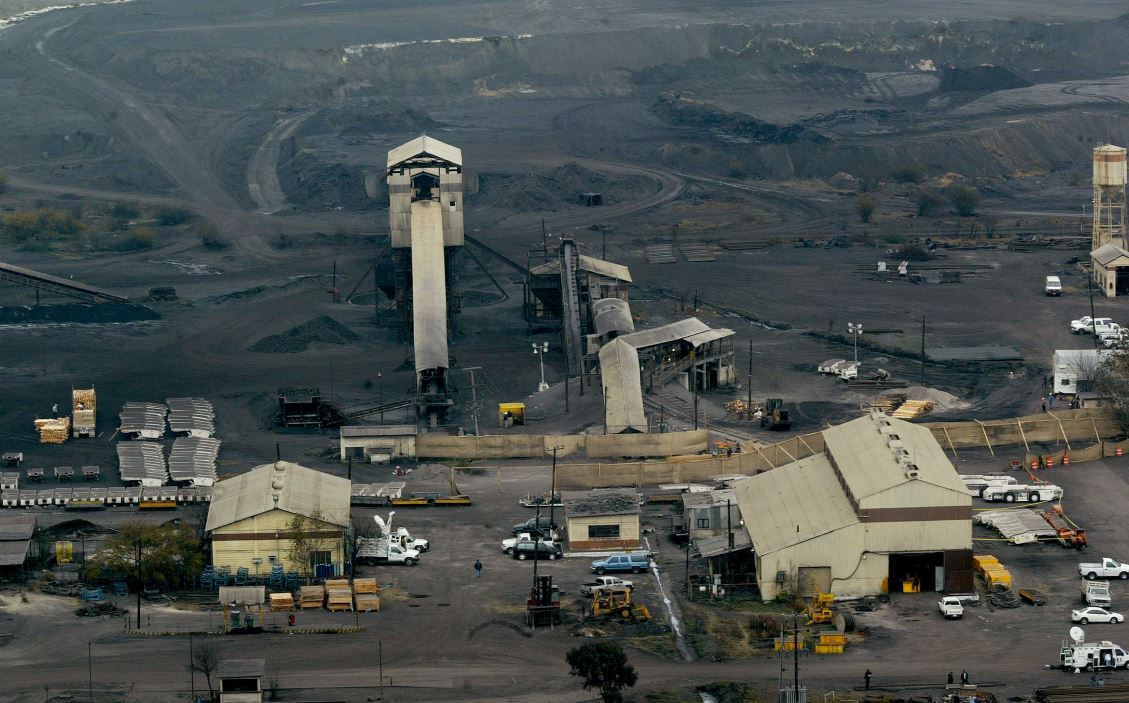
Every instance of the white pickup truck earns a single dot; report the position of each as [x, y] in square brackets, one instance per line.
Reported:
[951, 607]
[1105, 569]
[1096, 593]
[1086, 325]
[605, 583]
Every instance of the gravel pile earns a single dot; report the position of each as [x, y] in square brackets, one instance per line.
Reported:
[323, 329]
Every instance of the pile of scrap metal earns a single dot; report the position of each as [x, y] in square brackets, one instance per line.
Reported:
[1069, 534]
[1108, 692]
[1018, 526]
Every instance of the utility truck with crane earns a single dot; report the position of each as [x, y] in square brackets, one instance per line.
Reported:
[391, 547]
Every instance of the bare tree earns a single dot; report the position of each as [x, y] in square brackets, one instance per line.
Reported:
[305, 542]
[1111, 380]
[205, 659]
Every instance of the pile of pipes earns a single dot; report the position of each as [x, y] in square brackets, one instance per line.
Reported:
[1107, 693]
[53, 431]
[913, 409]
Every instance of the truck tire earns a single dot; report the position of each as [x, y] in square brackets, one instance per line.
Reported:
[1084, 621]
[1091, 576]
[983, 490]
[509, 551]
[600, 570]
[1115, 620]
[1123, 575]
[635, 570]
[1009, 497]
[409, 561]
[552, 556]
[1033, 497]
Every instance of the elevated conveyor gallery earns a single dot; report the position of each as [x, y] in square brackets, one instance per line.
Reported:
[53, 284]
[429, 304]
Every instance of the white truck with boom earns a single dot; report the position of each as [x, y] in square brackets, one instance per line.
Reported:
[1078, 654]
[1105, 569]
[391, 547]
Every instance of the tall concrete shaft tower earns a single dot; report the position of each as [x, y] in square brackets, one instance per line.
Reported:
[1109, 196]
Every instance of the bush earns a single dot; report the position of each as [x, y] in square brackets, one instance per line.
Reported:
[864, 206]
[964, 199]
[122, 210]
[39, 224]
[929, 202]
[171, 216]
[909, 173]
[137, 240]
[211, 236]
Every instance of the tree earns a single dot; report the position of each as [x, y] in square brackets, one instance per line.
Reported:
[964, 199]
[211, 236]
[603, 666]
[205, 659]
[305, 542]
[864, 206]
[929, 201]
[909, 173]
[170, 555]
[1111, 381]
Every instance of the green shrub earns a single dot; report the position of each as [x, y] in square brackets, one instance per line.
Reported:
[171, 216]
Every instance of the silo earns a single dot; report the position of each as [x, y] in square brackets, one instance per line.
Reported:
[1109, 196]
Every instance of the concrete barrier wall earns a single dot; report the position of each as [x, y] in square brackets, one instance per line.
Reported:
[534, 446]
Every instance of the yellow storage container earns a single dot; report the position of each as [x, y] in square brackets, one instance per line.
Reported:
[829, 649]
[787, 644]
[979, 561]
[832, 638]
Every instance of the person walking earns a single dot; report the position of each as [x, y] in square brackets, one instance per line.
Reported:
[1044, 406]
[867, 676]
[477, 568]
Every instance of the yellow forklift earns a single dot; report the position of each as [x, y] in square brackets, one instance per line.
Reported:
[618, 602]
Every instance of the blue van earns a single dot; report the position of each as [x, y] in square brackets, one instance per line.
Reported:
[622, 562]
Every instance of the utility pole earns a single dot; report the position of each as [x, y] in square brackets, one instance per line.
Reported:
[796, 654]
[544, 240]
[191, 668]
[662, 418]
[689, 591]
[380, 665]
[749, 407]
[90, 671]
[923, 350]
[693, 378]
[553, 489]
[473, 395]
[350, 469]
[604, 232]
[139, 583]
[729, 529]
[566, 380]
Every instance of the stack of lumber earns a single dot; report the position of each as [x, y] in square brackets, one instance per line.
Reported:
[280, 602]
[1110, 692]
[367, 602]
[887, 403]
[310, 596]
[912, 409]
[338, 595]
[365, 586]
[54, 431]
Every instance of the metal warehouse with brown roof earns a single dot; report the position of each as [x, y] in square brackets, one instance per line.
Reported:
[881, 509]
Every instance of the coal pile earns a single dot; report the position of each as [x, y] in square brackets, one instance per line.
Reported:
[984, 78]
[684, 112]
[322, 329]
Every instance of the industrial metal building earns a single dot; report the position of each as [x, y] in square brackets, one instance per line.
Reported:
[690, 350]
[1074, 369]
[623, 392]
[251, 519]
[1111, 270]
[602, 520]
[881, 509]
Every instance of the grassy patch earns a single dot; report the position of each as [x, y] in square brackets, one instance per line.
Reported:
[659, 645]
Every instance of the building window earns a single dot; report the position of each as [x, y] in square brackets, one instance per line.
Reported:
[603, 532]
[321, 556]
[703, 523]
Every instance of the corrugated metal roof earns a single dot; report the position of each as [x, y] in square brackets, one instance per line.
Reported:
[243, 595]
[429, 287]
[605, 268]
[425, 146]
[793, 504]
[705, 337]
[708, 499]
[137, 418]
[868, 464]
[1080, 358]
[683, 329]
[300, 491]
[601, 501]
[716, 546]
[623, 391]
[14, 553]
[1107, 254]
[379, 431]
[240, 669]
[612, 315]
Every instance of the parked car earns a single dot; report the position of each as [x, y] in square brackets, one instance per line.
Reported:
[542, 550]
[1085, 325]
[1053, 286]
[509, 544]
[534, 524]
[1110, 338]
[635, 562]
[1089, 615]
[1106, 569]
[951, 607]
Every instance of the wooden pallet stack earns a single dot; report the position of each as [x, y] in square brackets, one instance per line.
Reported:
[913, 409]
[281, 602]
[338, 595]
[53, 431]
[364, 591]
[310, 597]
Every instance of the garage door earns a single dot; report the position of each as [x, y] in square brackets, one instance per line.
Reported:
[814, 580]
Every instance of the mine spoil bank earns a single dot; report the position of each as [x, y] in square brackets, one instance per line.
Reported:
[76, 312]
[322, 329]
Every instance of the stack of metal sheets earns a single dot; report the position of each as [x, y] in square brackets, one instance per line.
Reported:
[143, 462]
[193, 460]
[143, 420]
[192, 416]
[1020, 526]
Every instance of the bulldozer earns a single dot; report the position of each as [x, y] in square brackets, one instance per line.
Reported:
[618, 602]
[820, 609]
[774, 416]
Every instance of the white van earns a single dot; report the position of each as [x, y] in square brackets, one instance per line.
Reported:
[1053, 286]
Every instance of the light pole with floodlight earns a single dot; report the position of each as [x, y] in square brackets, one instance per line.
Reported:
[855, 330]
[539, 350]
